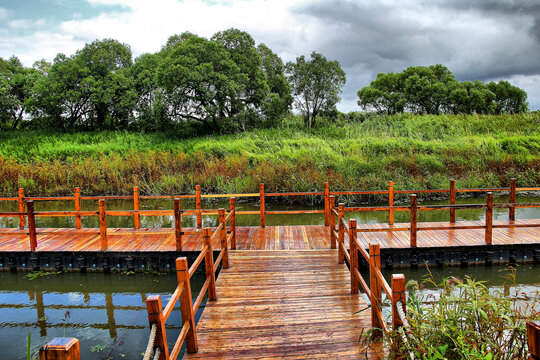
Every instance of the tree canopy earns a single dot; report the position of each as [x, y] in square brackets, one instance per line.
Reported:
[316, 85]
[435, 90]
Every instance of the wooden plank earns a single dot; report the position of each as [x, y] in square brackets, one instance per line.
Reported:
[273, 304]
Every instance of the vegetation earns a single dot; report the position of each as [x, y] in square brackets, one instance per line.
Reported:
[316, 85]
[356, 151]
[467, 320]
[435, 90]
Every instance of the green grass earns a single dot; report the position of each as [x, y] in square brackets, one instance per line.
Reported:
[414, 151]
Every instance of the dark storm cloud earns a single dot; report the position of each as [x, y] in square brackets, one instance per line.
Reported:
[482, 40]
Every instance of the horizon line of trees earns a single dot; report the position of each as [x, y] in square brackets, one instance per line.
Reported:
[225, 83]
[435, 90]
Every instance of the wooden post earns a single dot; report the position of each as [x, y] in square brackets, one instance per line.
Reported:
[489, 218]
[178, 224]
[512, 210]
[452, 200]
[375, 287]
[232, 207]
[261, 195]
[155, 315]
[533, 339]
[78, 223]
[61, 349]
[102, 225]
[198, 205]
[398, 295]
[223, 238]
[414, 219]
[326, 204]
[341, 233]
[31, 225]
[136, 216]
[186, 304]
[332, 205]
[353, 251]
[390, 202]
[21, 208]
[209, 265]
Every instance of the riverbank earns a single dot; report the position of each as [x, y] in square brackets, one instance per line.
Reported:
[416, 152]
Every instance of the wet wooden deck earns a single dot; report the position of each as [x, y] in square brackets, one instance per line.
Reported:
[299, 237]
[284, 305]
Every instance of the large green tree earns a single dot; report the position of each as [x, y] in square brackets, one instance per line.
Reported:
[316, 85]
[385, 94]
[508, 98]
[91, 89]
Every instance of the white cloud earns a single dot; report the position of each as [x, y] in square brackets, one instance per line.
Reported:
[366, 37]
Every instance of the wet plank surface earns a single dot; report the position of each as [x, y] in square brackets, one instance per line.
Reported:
[279, 304]
[297, 237]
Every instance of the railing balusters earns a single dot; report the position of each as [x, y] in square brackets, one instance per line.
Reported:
[31, 225]
[326, 204]
[452, 200]
[198, 205]
[353, 251]
[21, 208]
[341, 233]
[78, 222]
[232, 207]
[261, 199]
[136, 216]
[390, 202]
[512, 209]
[186, 304]
[414, 220]
[178, 224]
[489, 218]
[102, 225]
[332, 205]
[375, 287]
[155, 315]
[209, 265]
[223, 238]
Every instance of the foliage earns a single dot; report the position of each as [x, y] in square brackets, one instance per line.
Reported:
[355, 152]
[38, 274]
[316, 85]
[467, 320]
[435, 90]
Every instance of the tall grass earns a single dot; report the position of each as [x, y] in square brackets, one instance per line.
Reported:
[413, 151]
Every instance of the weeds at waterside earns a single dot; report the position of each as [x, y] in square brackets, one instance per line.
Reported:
[414, 151]
[467, 320]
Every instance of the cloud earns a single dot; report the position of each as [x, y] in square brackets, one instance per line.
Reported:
[481, 39]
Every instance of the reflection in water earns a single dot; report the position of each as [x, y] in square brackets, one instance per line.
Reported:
[253, 220]
[106, 312]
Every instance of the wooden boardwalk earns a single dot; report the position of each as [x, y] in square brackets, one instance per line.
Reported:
[298, 237]
[284, 304]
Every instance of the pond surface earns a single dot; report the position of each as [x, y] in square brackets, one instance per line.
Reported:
[106, 312]
[253, 220]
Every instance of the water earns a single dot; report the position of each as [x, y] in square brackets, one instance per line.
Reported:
[253, 220]
[106, 312]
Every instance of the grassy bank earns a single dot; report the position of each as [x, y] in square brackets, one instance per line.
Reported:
[413, 151]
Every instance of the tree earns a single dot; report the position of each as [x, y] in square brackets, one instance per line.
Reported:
[91, 89]
[16, 84]
[426, 88]
[316, 85]
[385, 94]
[279, 99]
[508, 98]
[470, 97]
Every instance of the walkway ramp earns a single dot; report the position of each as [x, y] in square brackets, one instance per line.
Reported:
[283, 304]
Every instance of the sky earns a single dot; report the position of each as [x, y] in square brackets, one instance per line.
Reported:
[476, 39]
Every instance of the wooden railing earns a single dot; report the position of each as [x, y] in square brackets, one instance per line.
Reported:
[102, 213]
[414, 208]
[157, 315]
[377, 283]
[199, 212]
